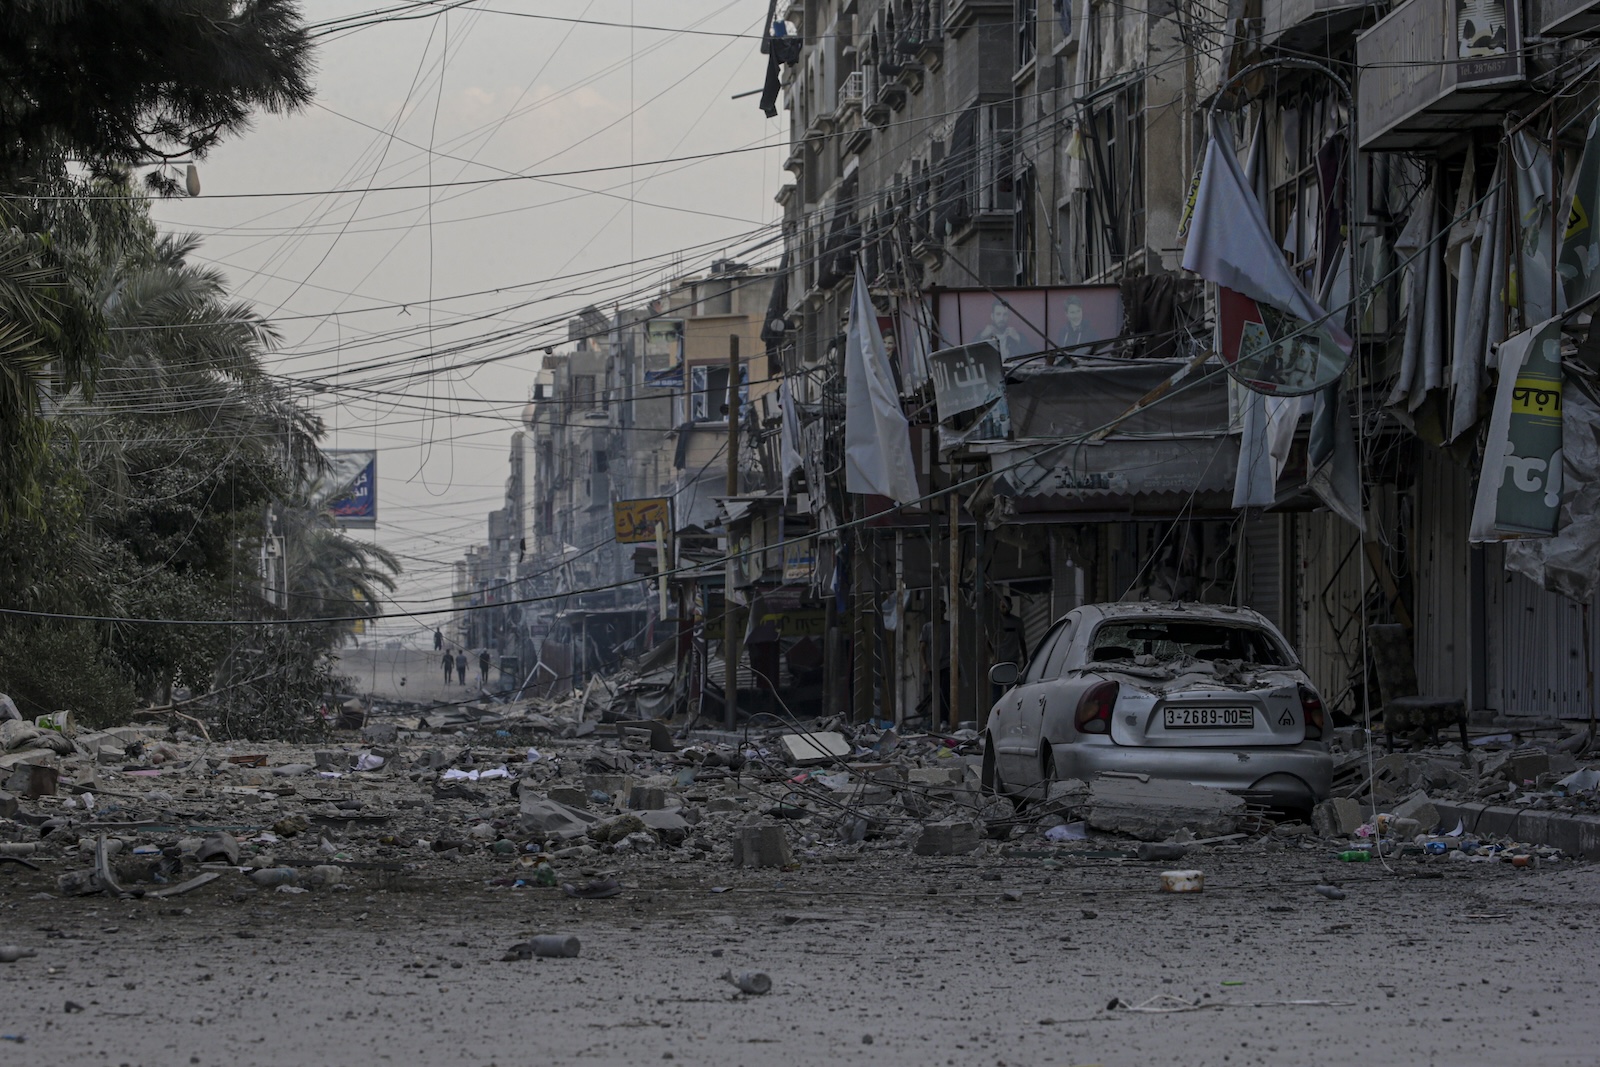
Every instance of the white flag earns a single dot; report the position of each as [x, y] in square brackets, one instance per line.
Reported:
[877, 438]
[789, 437]
[1231, 244]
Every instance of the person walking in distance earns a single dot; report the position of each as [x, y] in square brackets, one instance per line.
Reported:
[483, 668]
[438, 639]
[461, 666]
[449, 665]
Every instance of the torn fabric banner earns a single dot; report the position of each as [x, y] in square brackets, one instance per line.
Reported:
[877, 438]
[1271, 334]
[1579, 265]
[1519, 490]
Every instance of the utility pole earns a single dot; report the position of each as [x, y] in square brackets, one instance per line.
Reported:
[954, 711]
[730, 643]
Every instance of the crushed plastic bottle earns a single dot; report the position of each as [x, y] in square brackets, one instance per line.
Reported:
[1355, 855]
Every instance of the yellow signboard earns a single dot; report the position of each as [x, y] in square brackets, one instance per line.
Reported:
[635, 520]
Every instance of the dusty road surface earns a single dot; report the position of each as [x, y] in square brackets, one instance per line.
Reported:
[890, 959]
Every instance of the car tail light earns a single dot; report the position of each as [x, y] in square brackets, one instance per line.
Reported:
[1094, 709]
[1311, 704]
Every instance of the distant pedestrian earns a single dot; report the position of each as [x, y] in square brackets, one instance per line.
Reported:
[483, 668]
[461, 667]
[438, 640]
[449, 664]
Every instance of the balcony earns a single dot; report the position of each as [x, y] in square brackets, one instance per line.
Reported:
[964, 14]
[1310, 25]
[1563, 18]
[850, 94]
[1416, 91]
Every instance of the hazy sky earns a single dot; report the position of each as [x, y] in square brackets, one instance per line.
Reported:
[482, 91]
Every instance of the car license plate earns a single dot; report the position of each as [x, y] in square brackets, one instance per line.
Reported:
[1209, 718]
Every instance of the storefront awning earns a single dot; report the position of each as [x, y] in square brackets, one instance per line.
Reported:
[1116, 473]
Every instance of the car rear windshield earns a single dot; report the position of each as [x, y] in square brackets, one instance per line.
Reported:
[1172, 638]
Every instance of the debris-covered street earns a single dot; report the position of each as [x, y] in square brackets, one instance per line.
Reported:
[778, 532]
[392, 913]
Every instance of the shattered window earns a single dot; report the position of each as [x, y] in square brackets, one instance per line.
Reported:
[1174, 638]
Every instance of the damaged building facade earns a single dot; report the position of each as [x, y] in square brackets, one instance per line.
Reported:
[1025, 174]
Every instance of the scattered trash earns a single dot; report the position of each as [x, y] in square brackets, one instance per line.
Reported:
[1071, 831]
[545, 946]
[600, 889]
[12, 953]
[1182, 881]
[1332, 892]
[1163, 851]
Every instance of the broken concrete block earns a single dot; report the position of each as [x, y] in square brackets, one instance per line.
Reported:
[1064, 797]
[1417, 806]
[762, 846]
[571, 796]
[553, 819]
[1527, 766]
[948, 839]
[802, 750]
[8, 805]
[937, 775]
[651, 798]
[1153, 810]
[1339, 817]
[671, 827]
[380, 733]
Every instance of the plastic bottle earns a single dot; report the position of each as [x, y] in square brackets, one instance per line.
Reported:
[1355, 855]
[271, 876]
[556, 946]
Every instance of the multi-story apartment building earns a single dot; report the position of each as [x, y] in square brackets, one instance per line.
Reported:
[1024, 154]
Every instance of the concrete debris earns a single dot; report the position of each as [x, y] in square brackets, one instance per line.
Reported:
[809, 749]
[948, 839]
[523, 797]
[762, 846]
[1153, 810]
[1338, 817]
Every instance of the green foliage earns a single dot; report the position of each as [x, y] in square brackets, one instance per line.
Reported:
[118, 82]
[274, 684]
[62, 667]
[143, 447]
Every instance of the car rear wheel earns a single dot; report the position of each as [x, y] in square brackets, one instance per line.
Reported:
[989, 779]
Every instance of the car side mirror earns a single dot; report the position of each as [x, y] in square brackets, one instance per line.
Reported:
[1004, 674]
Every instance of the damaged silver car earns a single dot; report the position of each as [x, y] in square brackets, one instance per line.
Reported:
[1194, 692]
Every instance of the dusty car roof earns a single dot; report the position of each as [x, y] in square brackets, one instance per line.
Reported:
[1173, 609]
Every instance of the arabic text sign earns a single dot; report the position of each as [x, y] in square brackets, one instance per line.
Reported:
[966, 378]
[353, 481]
[1530, 488]
[635, 520]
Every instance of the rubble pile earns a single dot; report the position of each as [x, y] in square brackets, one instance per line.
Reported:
[1384, 798]
[551, 799]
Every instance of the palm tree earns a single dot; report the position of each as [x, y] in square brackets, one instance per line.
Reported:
[330, 575]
